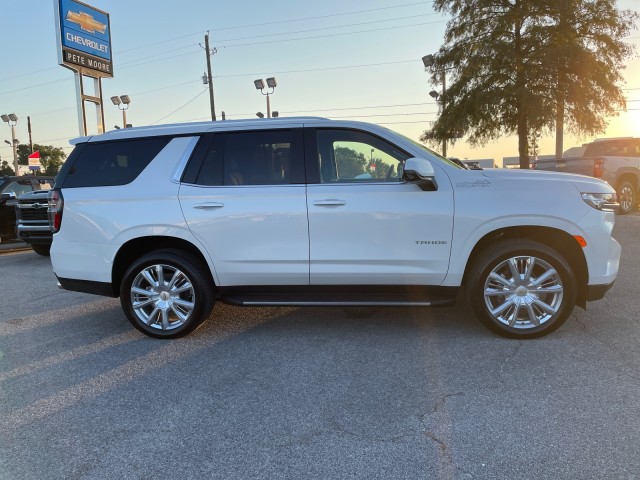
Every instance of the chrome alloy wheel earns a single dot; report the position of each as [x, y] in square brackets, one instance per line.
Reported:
[523, 292]
[626, 197]
[162, 297]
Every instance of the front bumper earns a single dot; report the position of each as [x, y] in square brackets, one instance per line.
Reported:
[596, 292]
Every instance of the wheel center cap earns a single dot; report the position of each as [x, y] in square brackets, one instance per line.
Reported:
[521, 291]
[165, 296]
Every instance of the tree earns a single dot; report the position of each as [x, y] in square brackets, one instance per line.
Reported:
[6, 169]
[505, 71]
[351, 162]
[51, 158]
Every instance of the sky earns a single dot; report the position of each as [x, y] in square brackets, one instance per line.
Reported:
[355, 59]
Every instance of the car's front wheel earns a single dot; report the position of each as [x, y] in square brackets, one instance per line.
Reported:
[167, 293]
[627, 197]
[521, 288]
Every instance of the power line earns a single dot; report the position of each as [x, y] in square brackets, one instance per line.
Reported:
[327, 28]
[201, 32]
[179, 108]
[333, 34]
[322, 16]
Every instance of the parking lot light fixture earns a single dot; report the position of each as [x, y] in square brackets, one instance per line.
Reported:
[12, 120]
[122, 102]
[429, 62]
[271, 84]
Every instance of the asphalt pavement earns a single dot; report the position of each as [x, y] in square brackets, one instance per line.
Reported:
[311, 393]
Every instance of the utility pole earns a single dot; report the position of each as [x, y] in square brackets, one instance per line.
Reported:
[209, 77]
[29, 128]
[561, 77]
[444, 92]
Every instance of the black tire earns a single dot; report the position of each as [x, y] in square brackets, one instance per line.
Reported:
[42, 249]
[175, 308]
[627, 197]
[516, 307]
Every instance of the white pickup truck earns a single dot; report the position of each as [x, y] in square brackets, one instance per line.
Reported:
[309, 211]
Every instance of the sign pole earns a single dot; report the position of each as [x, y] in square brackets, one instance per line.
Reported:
[82, 123]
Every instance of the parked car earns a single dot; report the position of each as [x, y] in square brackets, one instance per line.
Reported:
[33, 221]
[10, 189]
[615, 160]
[289, 211]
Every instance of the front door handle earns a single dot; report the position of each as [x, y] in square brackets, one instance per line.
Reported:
[208, 205]
[330, 202]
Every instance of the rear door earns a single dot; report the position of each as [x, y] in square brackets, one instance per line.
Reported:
[243, 196]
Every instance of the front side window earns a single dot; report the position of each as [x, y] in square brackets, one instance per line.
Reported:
[347, 156]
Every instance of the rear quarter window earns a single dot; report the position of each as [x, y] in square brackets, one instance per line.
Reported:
[112, 163]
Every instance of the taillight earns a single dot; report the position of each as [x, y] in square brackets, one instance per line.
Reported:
[598, 167]
[56, 205]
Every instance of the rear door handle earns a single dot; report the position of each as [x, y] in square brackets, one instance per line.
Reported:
[330, 202]
[208, 205]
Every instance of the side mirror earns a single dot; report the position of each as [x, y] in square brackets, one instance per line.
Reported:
[7, 196]
[421, 172]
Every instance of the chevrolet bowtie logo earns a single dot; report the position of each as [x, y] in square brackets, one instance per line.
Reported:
[86, 22]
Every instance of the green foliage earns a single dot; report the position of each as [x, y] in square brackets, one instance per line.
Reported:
[6, 169]
[51, 158]
[352, 164]
[512, 65]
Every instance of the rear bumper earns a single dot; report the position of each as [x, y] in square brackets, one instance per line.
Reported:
[86, 286]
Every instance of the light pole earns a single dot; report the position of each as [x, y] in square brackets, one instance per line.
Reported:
[272, 84]
[122, 102]
[12, 120]
[429, 61]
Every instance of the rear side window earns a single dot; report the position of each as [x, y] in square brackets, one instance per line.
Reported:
[111, 163]
[244, 158]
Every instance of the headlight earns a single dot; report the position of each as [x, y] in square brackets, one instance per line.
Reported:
[601, 201]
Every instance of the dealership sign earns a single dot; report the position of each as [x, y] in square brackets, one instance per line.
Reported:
[84, 38]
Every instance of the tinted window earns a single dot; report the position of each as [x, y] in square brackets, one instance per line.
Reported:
[257, 158]
[112, 163]
[19, 187]
[212, 153]
[619, 148]
[353, 156]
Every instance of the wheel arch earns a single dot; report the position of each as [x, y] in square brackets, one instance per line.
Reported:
[630, 175]
[137, 247]
[557, 239]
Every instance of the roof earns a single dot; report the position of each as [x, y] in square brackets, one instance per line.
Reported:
[197, 127]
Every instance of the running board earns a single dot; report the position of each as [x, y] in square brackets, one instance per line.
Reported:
[340, 296]
[333, 303]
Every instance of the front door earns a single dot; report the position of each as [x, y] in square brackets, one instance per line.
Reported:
[367, 226]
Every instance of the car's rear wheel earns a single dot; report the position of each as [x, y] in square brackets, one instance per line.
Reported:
[521, 288]
[627, 197]
[167, 293]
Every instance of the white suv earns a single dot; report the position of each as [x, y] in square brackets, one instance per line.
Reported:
[310, 211]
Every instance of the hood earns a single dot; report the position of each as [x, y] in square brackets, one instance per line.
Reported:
[581, 181]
